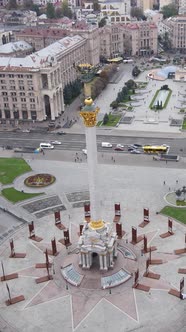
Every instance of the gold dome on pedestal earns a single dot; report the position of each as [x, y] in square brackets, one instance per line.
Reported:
[96, 224]
[88, 101]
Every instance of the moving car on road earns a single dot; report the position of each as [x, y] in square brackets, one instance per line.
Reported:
[135, 151]
[106, 145]
[55, 142]
[84, 151]
[60, 133]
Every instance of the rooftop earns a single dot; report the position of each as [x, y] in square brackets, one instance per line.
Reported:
[42, 57]
[15, 47]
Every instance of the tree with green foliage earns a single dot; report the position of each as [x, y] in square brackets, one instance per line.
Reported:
[165, 40]
[135, 71]
[105, 119]
[96, 6]
[130, 84]
[27, 4]
[66, 11]
[36, 9]
[114, 104]
[12, 4]
[137, 12]
[169, 10]
[50, 11]
[58, 12]
[102, 22]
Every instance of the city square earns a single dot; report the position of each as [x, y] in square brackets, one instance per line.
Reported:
[57, 303]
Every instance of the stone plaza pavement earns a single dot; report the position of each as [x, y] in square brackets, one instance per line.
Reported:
[52, 306]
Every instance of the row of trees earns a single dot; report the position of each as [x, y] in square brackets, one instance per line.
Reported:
[51, 11]
[59, 11]
[71, 91]
[101, 82]
[124, 95]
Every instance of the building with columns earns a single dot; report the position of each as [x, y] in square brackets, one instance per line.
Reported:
[31, 88]
[97, 244]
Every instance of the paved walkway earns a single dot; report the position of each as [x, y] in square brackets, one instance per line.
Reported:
[56, 307]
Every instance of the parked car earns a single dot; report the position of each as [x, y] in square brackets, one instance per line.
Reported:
[130, 148]
[55, 142]
[60, 133]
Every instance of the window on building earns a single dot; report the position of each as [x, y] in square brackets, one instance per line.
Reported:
[6, 105]
[21, 87]
[13, 93]
[32, 106]
[12, 87]
[7, 114]
[33, 115]
[16, 114]
[11, 75]
[23, 100]
[4, 93]
[21, 82]
[3, 82]
[20, 76]
[29, 76]
[32, 100]
[25, 115]
[14, 99]
[3, 87]
[2, 75]
[0, 114]
[12, 82]
[30, 82]
[5, 99]
[22, 94]
[23, 106]
[31, 94]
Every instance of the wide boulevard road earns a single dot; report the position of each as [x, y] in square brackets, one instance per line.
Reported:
[76, 142]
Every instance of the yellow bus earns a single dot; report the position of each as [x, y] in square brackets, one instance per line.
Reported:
[115, 60]
[156, 149]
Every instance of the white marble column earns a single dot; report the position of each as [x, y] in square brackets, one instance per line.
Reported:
[115, 249]
[80, 259]
[87, 261]
[91, 146]
[111, 259]
[84, 263]
[101, 262]
[105, 262]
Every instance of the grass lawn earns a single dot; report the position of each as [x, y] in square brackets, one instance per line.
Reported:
[184, 124]
[16, 196]
[10, 168]
[113, 120]
[177, 213]
[166, 101]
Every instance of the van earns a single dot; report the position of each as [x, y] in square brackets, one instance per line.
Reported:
[46, 146]
[106, 145]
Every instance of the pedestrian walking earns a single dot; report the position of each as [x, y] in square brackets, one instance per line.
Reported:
[164, 182]
[176, 181]
[114, 160]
